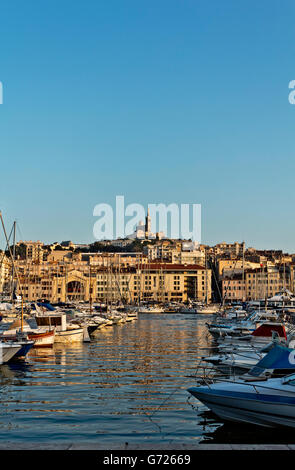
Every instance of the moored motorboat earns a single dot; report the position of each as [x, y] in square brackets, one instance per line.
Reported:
[39, 336]
[42, 339]
[254, 398]
[64, 332]
[150, 309]
[70, 335]
[260, 337]
[208, 309]
[253, 360]
[25, 346]
[8, 350]
[235, 313]
[188, 310]
[238, 327]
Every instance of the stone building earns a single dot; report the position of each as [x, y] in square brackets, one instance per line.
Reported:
[257, 284]
[62, 282]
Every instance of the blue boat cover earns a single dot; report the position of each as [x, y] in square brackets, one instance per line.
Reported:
[279, 357]
[46, 305]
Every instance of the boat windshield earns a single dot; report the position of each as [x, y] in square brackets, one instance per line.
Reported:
[251, 316]
[289, 379]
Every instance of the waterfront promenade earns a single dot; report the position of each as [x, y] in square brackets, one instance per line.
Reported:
[144, 447]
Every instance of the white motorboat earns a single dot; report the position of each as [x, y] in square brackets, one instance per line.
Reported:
[240, 360]
[239, 327]
[8, 350]
[132, 314]
[254, 398]
[41, 337]
[102, 322]
[114, 316]
[258, 338]
[150, 309]
[64, 332]
[72, 334]
[188, 310]
[235, 313]
[208, 309]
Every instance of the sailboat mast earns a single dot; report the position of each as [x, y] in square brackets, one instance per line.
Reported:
[13, 254]
[243, 276]
[22, 316]
[90, 295]
[206, 273]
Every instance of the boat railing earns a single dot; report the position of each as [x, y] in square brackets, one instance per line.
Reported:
[240, 354]
[237, 346]
[209, 374]
[291, 331]
[253, 385]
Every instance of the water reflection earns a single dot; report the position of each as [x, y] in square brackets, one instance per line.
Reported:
[130, 383]
[215, 432]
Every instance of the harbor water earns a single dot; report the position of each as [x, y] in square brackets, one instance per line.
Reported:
[128, 385]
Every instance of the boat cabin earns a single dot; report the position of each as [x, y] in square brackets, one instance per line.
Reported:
[57, 320]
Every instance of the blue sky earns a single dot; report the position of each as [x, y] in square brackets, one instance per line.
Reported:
[167, 101]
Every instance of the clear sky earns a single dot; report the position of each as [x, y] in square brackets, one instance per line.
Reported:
[180, 101]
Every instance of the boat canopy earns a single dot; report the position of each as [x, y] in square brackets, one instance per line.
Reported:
[266, 330]
[279, 357]
[46, 305]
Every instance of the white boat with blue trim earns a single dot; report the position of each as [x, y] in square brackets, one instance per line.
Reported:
[254, 398]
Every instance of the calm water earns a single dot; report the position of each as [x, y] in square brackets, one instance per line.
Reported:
[128, 385]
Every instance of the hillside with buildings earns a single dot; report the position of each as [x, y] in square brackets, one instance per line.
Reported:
[161, 270]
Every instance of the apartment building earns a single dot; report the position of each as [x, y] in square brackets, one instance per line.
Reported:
[257, 284]
[177, 252]
[225, 267]
[5, 272]
[233, 288]
[235, 249]
[33, 250]
[61, 282]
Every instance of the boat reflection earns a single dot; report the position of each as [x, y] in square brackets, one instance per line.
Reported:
[234, 433]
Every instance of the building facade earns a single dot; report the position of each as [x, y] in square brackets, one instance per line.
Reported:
[63, 282]
[257, 284]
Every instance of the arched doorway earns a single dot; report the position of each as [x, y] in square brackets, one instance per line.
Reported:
[75, 290]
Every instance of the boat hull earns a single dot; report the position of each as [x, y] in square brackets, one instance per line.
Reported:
[151, 311]
[92, 329]
[8, 352]
[188, 310]
[250, 409]
[69, 336]
[25, 348]
[207, 311]
[42, 340]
